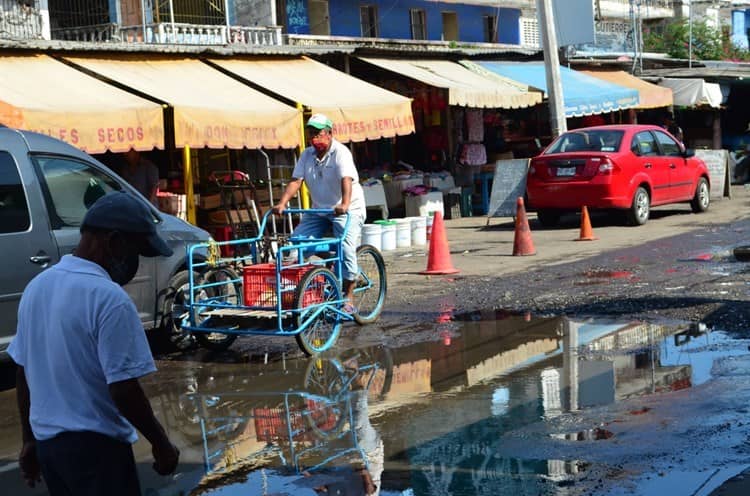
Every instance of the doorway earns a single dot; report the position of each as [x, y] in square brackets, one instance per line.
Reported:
[320, 24]
[450, 26]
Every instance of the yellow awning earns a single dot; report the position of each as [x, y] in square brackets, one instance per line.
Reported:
[359, 110]
[42, 94]
[650, 95]
[210, 108]
[465, 88]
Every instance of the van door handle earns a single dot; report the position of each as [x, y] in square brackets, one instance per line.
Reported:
[647, 165]
[40, 259]
[672, 166]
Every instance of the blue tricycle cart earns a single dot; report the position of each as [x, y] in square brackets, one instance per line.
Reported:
[297, 294]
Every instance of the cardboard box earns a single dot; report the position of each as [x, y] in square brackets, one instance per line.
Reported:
[235, 217]
[208, 202]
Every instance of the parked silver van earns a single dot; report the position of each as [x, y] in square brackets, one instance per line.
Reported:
[46, 187]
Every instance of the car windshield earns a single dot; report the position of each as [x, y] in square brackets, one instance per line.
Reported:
[597, 140]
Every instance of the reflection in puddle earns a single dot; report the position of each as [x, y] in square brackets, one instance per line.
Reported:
[427, 418]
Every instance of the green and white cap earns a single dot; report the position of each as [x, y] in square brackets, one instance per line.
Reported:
[320, 121]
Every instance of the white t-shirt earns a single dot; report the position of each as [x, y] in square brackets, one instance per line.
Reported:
[323, 176]
[78, 332]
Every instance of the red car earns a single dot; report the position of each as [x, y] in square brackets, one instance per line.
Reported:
[627, 167]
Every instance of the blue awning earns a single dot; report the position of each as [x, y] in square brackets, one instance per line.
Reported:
[582, 94]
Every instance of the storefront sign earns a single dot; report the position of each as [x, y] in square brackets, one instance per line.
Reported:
[717, 162]
[508, 184]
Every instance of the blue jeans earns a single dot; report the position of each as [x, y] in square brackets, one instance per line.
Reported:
[318, 225]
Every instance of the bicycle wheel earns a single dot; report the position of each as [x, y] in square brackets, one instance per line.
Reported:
[229, 291]
[316, 287]
[325, 381]
[371, 286]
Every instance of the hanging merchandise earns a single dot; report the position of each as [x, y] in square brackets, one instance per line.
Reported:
[473, 154]
[474, 125]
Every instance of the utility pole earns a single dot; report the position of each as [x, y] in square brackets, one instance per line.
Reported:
[690, 34]
[552, 68]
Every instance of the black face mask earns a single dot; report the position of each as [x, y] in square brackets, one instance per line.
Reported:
[122, 270]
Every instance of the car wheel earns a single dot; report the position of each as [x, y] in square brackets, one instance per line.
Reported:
[548, 218]
[702, 196]
[640, 208]
[174, 310]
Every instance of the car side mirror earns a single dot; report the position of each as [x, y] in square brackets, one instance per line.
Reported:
[688, 152]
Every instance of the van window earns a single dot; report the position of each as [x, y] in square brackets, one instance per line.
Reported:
[14, 209]
[72, 187]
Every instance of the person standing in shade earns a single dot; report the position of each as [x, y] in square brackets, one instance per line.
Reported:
[328, 170]
[80, 348]
[142, 174]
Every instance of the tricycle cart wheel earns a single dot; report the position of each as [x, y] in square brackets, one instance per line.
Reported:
[325, 381]
[317, 287]
[371, 285]
[228, 290]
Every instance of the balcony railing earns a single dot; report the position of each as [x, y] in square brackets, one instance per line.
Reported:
[18, 21]
[173, 33]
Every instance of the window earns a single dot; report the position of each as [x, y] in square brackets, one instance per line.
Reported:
[644, 145]
[669, 147]
[490, 29]
[14, 210]
[418, 24]
[71, 187]
[577, 141]
[368, 20]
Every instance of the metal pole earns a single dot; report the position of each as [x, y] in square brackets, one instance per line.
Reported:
[690, 34]
[171, 21]
[143, 20]
[552, 68]
[226, 18]
[187, 167]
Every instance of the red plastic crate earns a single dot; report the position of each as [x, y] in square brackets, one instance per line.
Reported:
[259, 285]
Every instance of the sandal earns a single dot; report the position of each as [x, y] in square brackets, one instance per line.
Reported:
[349, 308]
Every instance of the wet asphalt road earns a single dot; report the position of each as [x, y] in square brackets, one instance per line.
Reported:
[676, 282]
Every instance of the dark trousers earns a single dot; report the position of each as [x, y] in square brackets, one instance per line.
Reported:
[88, 464]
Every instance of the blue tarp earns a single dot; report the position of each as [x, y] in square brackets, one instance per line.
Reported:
[582, 94]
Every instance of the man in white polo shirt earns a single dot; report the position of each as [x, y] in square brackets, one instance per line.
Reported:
[80, 349]
[328, 170]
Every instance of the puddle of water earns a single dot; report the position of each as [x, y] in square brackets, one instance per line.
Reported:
[427, 418]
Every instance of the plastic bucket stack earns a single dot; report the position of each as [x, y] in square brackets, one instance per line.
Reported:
[418, 231]
[372, 235]
[403, 233]
[428, 230]
[388, 237]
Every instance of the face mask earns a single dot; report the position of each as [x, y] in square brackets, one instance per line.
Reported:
[320, 143]
[123, 270]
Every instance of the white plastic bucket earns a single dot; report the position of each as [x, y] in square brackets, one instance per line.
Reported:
[403, 233]
[418, 231]
[388, 237]
[372, 234]
[428, 230]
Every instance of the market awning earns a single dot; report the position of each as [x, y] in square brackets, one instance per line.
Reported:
[693, 92]
[359, 110]
[650, 95]
[465, 88]
[582, 94]
[45, 95]
[210, 108]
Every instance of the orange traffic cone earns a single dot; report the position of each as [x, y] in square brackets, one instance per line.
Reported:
[522, 243]
[587, 234]
[439, 258]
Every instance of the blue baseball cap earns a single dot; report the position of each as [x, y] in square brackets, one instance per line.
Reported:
[120, 211]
